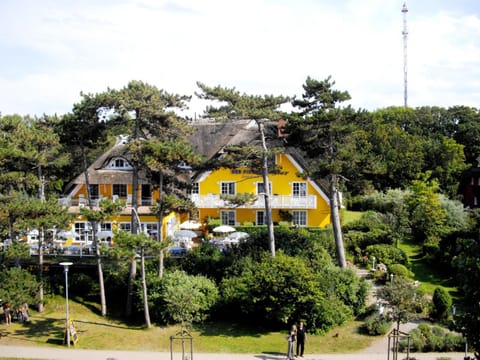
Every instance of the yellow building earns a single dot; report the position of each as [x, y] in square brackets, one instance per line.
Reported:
[294, 199]
[297, 200]
[111, 176]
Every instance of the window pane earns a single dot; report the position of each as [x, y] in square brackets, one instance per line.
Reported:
[228, 188]
[300, 218]
[227, 217]
[94, 191]
[261, 188]
[260, 218]
[299, 189]
[120, 190]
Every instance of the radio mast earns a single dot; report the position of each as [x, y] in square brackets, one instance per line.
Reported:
[405, 35]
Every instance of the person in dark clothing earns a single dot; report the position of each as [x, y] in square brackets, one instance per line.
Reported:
[301, 338]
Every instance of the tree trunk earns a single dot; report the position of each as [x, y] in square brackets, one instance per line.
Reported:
[144, 289]
[160, 227]
[93, 224]
[133, 223]
[41, 239]
[134, 220]
[266, 186]
[134, 230]
[130, 287]
[101, 284]
[337, 228]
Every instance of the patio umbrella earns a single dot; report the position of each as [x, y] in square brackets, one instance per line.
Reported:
[104, 234]
[223, 229]
[238, 235]
[190, 225]
[184, 234]
[63, 234]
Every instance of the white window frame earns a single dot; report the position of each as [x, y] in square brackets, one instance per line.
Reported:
[117, 189]
[300, 217]
[106, 226]
[195, 188]
[119, 164]
[260, 218]
[260, 188]
[228, 188]
[299, 189]
[228, 217]
[125, 226]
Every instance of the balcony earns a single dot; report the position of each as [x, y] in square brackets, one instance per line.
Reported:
[83, 202]
[212, 201]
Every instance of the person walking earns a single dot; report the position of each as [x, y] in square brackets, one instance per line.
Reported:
[8, 314]
[291, 339]
[301, 338]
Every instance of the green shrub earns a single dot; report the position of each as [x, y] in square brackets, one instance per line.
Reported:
[387, 254]
[441, 303]
[434, 343]
[276, 291]
[400, 270]
[417, 341]
[426, 338]
[178, 297]
[328, 313]
[453, 342]
[376, 324]
[425, 329]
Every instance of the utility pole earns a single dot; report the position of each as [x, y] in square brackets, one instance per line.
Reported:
[405, 35]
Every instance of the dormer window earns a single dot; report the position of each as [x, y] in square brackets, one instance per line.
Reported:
[119, 163]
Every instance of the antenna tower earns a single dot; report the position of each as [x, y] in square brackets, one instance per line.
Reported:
[405, 35]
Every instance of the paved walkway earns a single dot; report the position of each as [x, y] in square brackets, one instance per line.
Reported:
[74, 354]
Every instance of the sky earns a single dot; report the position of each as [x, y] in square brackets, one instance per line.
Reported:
[53, 50]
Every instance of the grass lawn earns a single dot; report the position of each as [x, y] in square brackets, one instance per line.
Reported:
[427, 277]
[95, 332]
[349, 216]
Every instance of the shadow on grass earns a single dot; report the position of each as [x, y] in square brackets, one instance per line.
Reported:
[424, 272]
[90, 306]
[228, 329]
[126, 326]
[32, 331]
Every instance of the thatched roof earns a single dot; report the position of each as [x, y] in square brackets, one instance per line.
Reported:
[98, 174]
[209, 138]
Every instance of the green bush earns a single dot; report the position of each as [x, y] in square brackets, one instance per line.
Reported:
[370, 229]
[276, 291]
[345, 285]
[434, 343]
[400, 270]
[376, 324]
[417, 341]
[426, 338]
[441, 303]
[453, 342]
[387, 254]
[327, 313]
[178, 297]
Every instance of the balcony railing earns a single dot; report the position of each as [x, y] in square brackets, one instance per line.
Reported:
[211, 201]
[81, 201]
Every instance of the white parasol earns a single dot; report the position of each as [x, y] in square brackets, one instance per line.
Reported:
[223, 229]
[238, 235]
[104, 235]
[184, 234]
[190, 225]
[63, 234]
